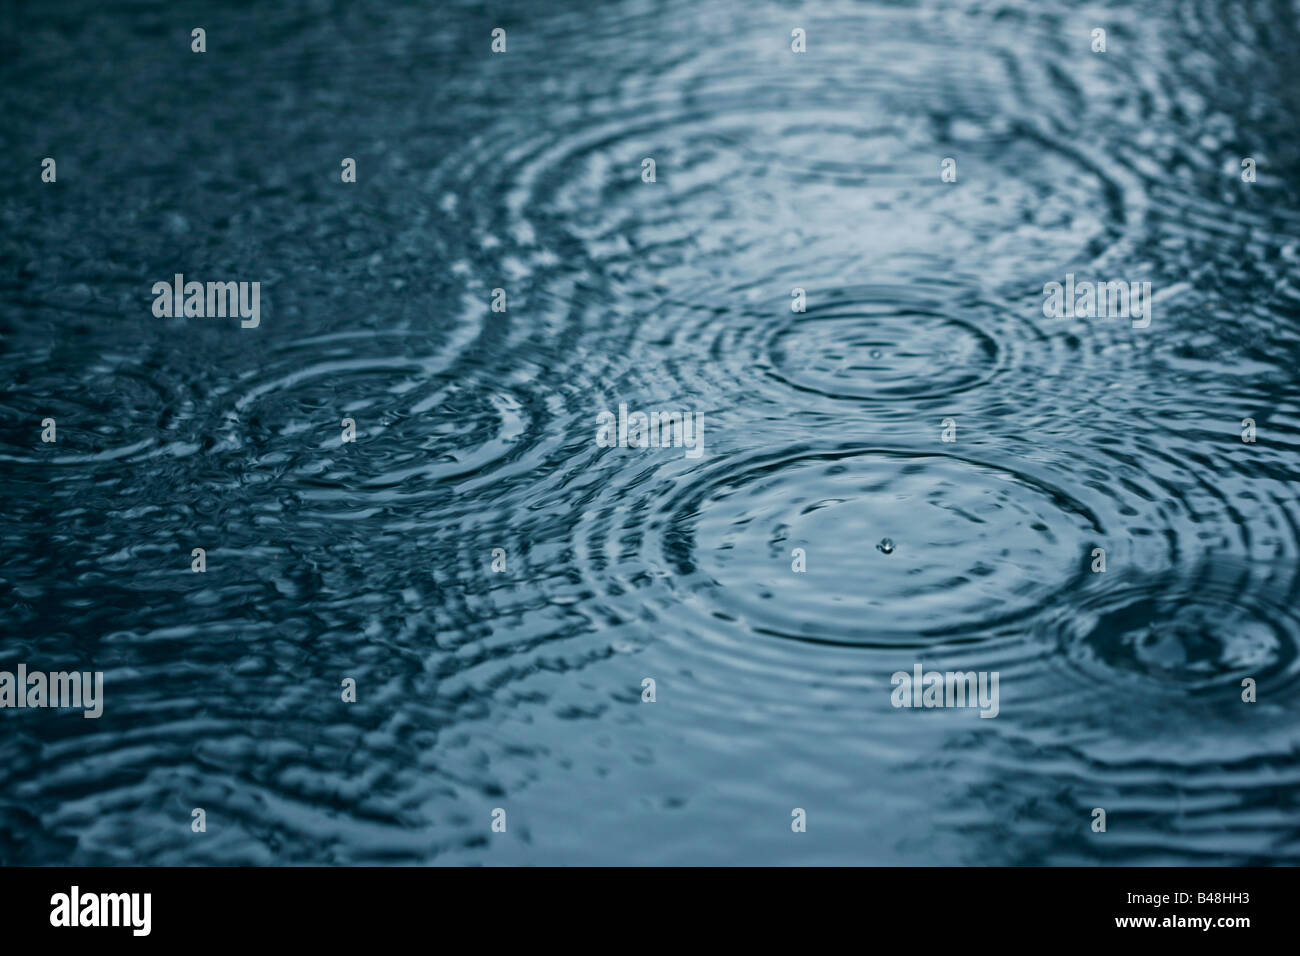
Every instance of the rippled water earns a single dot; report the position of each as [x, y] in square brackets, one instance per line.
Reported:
[476, 430]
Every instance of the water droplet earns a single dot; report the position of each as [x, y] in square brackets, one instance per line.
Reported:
[876, 353]
[886, 545]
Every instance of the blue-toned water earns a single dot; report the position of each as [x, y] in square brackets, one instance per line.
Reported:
[823, 432]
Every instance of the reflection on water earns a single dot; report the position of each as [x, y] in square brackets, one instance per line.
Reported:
[521, 688]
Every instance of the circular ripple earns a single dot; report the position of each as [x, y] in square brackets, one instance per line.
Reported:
[419, 424]
[882, 353]
[124, 408]
[887, 348]
[1198, 636]
[904, 548]
[973, 546]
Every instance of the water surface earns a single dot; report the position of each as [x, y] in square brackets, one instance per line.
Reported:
[476, 431]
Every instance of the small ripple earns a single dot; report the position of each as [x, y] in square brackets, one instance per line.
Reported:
[1199, 635]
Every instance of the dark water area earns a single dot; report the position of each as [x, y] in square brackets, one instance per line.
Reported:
[823, 430]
